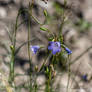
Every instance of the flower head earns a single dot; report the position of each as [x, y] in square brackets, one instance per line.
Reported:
[54, 47]
[68, 51]
[84, 77]
[35, 48]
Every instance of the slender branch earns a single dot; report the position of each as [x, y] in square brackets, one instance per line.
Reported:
[17, 50]
[11, 75]
[30, 11]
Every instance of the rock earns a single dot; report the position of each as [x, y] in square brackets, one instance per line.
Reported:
[88, 15]
[3, 12]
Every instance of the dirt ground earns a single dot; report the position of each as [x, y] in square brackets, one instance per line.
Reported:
[77, 36]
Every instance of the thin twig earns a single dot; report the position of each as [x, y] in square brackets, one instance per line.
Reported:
[22, 45]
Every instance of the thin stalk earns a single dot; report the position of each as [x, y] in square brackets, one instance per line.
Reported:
[30, 10]
[17, 50]
[48, 89]
[15, 30]
[49, 81]
[29, 53]
[45, 62]
[68, 75]
[61, 27]
[35, 84]
[16, 27]
[62, 22]
[11, 75]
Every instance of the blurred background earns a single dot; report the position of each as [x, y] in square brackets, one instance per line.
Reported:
[77, 34]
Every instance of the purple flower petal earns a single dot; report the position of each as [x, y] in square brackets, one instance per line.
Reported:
[59, 49]
[68, 50]
[55, 47]
[54, 52]
[49, 47]
[58, 44]
[35, 48]
[51, 42]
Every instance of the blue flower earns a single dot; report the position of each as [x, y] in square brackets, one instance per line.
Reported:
[68, 51]
[35, 48]
[84, 77]
[54, 47]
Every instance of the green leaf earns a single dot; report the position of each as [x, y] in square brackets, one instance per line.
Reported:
[43, 29]
[47, 70]
[45, 13]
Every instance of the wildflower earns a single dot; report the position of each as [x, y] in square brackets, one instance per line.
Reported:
[84, 77]
[68, 51]
[54, 46]
[35, 48]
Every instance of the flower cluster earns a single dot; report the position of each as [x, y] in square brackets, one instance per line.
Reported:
[55, 47]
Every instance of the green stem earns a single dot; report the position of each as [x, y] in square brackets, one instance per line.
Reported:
[65, 2]
[17, 50]
[15, 30]
[68, 75]
[62, 23]
[48, 84]
[30, 10]
[45, 62]
[35, 84]
[29, 53]
[61, 27]
[29, 41]
[11, 75]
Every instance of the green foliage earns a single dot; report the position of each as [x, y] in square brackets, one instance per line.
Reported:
[45, 13]
[43, 29]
